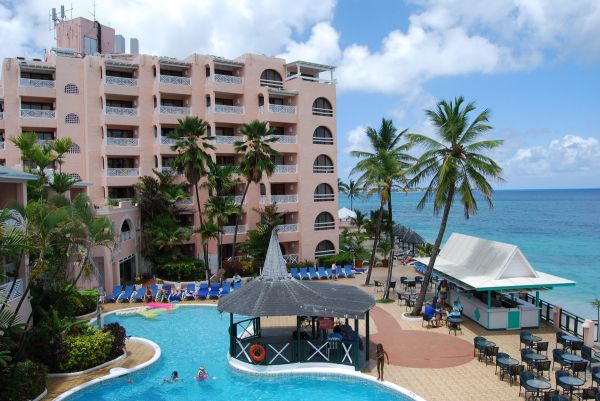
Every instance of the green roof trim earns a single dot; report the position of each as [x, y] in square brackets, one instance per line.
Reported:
[521, 287]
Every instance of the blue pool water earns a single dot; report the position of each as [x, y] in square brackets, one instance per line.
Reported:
[557, 230]
[194, 336]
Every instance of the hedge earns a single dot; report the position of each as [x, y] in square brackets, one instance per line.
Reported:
[86, 351]
[89, 299]
[184, 270]
[118, 333]
[341, 259]
[28, 381]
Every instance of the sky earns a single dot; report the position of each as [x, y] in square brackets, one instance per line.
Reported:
[535, 64]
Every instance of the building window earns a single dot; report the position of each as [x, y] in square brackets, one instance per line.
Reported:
[74, 149]
[324, 248]
[90, 45]
[71, 88]
[322, 135]
[322, 107]
[71, 118]
[324, 221]
[323, 164]
[271, 78]
[323, 193]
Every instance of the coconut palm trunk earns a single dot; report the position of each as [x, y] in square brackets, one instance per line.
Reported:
[386, 294]
[375, 241]
[436, 247]
[237, 219]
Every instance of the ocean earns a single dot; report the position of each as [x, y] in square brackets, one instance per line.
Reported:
[557, 230]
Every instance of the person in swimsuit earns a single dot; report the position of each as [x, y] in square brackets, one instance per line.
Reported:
[174, 377]
[381, 355]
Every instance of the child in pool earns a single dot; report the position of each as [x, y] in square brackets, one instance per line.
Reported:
[202, 373]
[174, 377]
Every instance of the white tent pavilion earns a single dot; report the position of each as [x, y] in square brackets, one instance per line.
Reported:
[484, 271]
[345, 214]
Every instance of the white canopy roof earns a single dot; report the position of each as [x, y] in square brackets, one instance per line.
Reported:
[346, 214]
[481, 264]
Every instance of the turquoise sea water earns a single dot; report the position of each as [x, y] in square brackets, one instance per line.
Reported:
[194, 336]
[557, 230]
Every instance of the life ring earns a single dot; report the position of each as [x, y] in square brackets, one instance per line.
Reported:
[257, 353]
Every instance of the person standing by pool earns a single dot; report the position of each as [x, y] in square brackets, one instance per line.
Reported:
[380, 355]
[334, 271]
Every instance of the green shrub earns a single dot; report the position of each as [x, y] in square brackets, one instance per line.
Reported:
[182, 270]
[88, 300]
[341, 259]
[86, 351]
[118, 333]
[45, 346]
[27, 382]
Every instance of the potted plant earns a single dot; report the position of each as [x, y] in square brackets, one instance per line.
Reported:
[385, 248]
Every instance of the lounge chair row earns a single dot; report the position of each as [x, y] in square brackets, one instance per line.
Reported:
[167, 293]
[313, 273]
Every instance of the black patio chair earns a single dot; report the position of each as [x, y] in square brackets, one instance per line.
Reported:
[578, 367]
[477, 340]
[560, 340]
[525, 339]
[490, 353]
[426, 319]
[419, 280]
[515, 371]
[598, 397]
[549, 394]
[596, 375]
[557, 376]
[523, 378]
[586, 353]
[500, 355]
[541, 367]
[540, 347]
[557, 358]
[575, 346]
[525, 359]
[589, 393]
[403, 279]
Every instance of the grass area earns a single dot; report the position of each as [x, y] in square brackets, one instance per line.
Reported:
[385, 301]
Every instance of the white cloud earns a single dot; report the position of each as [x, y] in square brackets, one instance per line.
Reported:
[321, 47]
[356, 139]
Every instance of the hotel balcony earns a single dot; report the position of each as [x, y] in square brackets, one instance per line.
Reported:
[121, 111]
[118, 115]
[120, 81]
[185, 202]
[323, 169]
[227, 79]
[285, 169]
[286, 139]
[226, 109]
[129, 142]
[37, 83]
[168, 170]
[280, 199]
[122, 172]
[165, 140]
[175, 110]
[175, 80]
[126, 236]
[278, 109]
[324, 197]
[228, 139]
[326, 225]
[287, 228]
[236, 198]
[35, 113]
[229, 230]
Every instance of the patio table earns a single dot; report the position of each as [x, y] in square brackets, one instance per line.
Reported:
[571, 381]
[572, 358]
[505, 363]
[533, 339]
[539, 385]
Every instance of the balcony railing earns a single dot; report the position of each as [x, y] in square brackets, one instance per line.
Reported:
[236, 199]
[110, 141]
[185, 201]
[287, 228]
[284, 198]
[165, 140]
[1, 145]
[327, 252]
[227, 139]
[318, 140]
[126, 236]
[324, 197]
[45, 141]
[33, 113]
[17, 291]
[228, 79]
[285, 169]
[272, 83]
[169, 79]
[180, 111]
[168, 170]
[291, 139]
[325, 225]
[278, 108]
[229, 230]
[37, 83]
[291, 258]
[120, 81]
[121, 111]
[323, 169]
[317, 111]
[226, 109]
[122, 172]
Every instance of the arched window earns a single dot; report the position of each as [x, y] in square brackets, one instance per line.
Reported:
[323, 164]
[324, 248]
[74, 149]
[271, 78]
[322, 135]
[71, 88]
[71, 118]
[126, 231]
[324, 192]
[322, 107]
[324, 221]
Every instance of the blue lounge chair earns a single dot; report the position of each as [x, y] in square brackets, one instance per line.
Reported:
[127, 294]
[140, 295]
[304, 274]
[348, 271]
[237, 285]
[176, 297]
[214, 290]
[226, 290]
[312, 272]
[153, 292]
[115, 295]
[190, 291]
[323, 274]
[294, 273]
[329, 271]
[202, 291]
[165, 293]
[340, 271]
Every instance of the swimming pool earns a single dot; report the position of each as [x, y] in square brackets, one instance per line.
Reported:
[190, 337]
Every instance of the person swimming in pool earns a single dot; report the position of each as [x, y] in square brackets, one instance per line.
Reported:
[174, 377]
[202, 374]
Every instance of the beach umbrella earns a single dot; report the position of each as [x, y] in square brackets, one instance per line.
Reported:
[346, 214]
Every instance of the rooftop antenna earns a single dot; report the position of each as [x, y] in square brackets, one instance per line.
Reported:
[55, 17]
[93, 12]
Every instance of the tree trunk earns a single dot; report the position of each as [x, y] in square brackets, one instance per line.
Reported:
[198, 204]
[386, 293]
[237, 220]
[434, 252]
[351, 203]
[375, 240]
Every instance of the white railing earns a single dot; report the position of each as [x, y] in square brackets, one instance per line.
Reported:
[317, 140]
[110, 141]
[33, 113]
[236, 199]
[122, 172]
[284, 198]
[168, 170]
[317, 111]
[285, 169]
[229, 230]
[120, 81]
[228, 79]
[121, 111]
[324, 197]
[322, 169]
[126, 235]
[286, 138]
[165, 140]
[287, 228]
[169, 79]
[185, 201]
[326, 225]
[291, 258]
[264, 199]
[17, 291]
[182, 111]
[1, 115]
[327, 252]
[282, 109]
[1, 145]
[45, 141]
[271, 82]
[227, 140]
[223, 108]
[37, 83]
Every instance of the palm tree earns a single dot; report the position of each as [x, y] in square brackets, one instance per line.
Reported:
[62, 182]
[61, 146]
[453, 166]
[352, 190]
[342, 186]
[220, 208]
[257, 159]
[359, 221]
[221, 180]
[191, 143]
[208, 231]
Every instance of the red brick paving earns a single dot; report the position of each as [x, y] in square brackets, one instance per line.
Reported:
[416, 348]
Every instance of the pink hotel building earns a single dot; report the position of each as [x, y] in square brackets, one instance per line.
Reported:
[118, 109]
